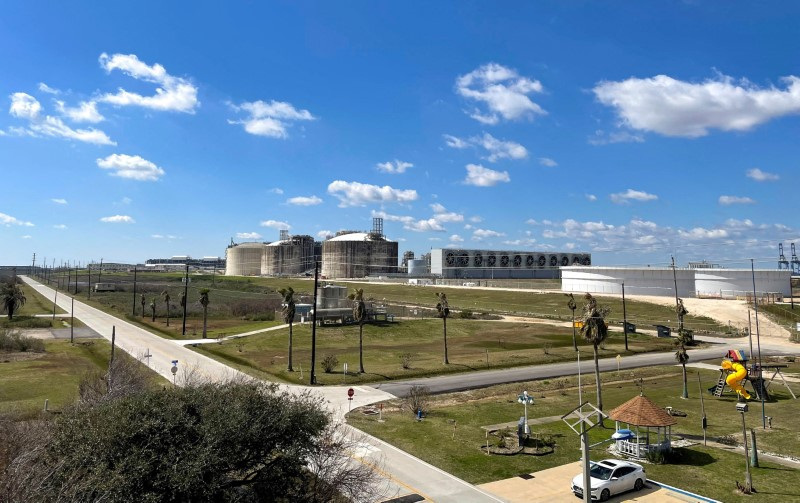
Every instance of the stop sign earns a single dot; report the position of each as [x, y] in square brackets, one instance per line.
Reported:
[351, 392]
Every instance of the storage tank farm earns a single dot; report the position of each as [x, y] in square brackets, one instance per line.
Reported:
[289, 255]
[353, 254]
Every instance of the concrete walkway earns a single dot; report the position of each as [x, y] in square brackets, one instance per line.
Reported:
[183, 342]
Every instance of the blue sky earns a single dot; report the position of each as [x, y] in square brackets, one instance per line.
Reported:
[633, 130]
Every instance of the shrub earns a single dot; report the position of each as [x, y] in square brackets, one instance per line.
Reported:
[12, 341]
[329, 363]
[406, 359]
[417, 398]
[465, 314]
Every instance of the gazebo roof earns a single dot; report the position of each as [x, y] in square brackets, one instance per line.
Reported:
[640, 411]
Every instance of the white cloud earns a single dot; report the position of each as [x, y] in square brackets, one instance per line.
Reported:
[26, 236]
[475, 219]
[503, 92]
[276, 190]
[275, 224]
[632, 195]
[484, 177]
[270, 119]
[361, 194]
[86, 111]
[248, 235]
[520, 242]
[59, 201]
[162, 236]
[24, 106]
[412, 224]
[118, 219]
[395, 167]
[590, 197]
[126, 200]
[481, 234]
[673, 107]
[60, 226]
[728, 200]
[173, 94]
[600, 137]
[441, 214]
[455, 238]
[304, 200]
[547, 162]
[324, 234]
[761, 176]
[8, 220]
[496, 149]
[133, 167]
[47, 89]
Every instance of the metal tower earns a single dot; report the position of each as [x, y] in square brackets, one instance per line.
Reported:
[795, 261]
[782, 262]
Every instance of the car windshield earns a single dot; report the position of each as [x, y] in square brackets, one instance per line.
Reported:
[600, 472]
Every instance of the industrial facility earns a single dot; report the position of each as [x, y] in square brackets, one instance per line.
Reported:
[358, 254]
[693, 282]
[493, 264]
[290, 255]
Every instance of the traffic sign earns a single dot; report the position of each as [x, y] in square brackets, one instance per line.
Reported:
[350, 393]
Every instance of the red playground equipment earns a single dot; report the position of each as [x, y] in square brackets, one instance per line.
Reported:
[735, 373]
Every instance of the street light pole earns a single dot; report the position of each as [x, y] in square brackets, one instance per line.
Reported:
[185, 296]
[761, 388]
[624, 317]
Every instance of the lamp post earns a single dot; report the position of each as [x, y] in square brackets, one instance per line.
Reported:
[525, 399]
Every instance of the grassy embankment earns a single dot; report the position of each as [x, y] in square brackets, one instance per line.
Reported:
[35, 303]
[705, 470]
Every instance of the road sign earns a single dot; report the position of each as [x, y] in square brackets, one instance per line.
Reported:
[350, 393]
[578, 324]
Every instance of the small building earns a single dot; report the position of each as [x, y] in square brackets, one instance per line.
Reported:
[641, 413]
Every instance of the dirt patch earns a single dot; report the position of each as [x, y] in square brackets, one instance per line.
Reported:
[19, 357]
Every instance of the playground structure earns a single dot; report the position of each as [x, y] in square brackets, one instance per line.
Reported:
[735, 373]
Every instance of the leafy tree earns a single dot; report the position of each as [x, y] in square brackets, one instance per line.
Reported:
[13, 297]
[443, 308]
[595, 331]
[204, 303]
[360, 315]
[165, 296]
[153, 309]
[288, 312]
[681, 355]
[237, 441]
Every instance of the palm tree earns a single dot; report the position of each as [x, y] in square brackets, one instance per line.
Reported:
[681, 311]
[443, 308]
[153, 308]
[165, 296]
[143, 301]
[681, 356]
[287, 312]
[360, 315]
[573, 306]
[595, 331]
[13, 298]
[204, 303]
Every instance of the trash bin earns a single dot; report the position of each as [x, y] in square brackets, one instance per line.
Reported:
[629, 327]
[663, 331]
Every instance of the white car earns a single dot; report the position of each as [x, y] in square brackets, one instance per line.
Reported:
[609, 477]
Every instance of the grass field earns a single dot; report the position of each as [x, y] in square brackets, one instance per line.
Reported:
[470, 343]
[711, 471]
[35, 303]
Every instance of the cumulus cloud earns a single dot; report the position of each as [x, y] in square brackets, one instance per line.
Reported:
[441, 214]
[547, 162]
[395, 167]
[132, 167]
[324, 234]
[60, 226]
[304, 200]
[672, 107]
[275, 190]
[248, 235]
[600, 137]
[728, 200]
[8, 221]
[361, 194]
[118, 219]
[495, 149]
[26, 107]
[455, 238]
[59, 201]
[632, 195]
[174, 94]
[761, 176]
[484, 177]
[590, 197]
[86, 111]
[502, 91]
[163, 236]
[481, 234]
[520, 242]
[269, 119]
[275, 224]
[47, 89]
[412, 224]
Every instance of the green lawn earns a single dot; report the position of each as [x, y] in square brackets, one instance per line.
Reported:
[712, 473]
[470, 343]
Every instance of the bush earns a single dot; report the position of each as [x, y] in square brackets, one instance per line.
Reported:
[406, 359]
[329, 363]
[466, 314]
[418, 398]
[12, 341]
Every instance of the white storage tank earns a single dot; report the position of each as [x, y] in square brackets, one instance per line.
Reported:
[638, 281]
[737, 283]
[244, 259]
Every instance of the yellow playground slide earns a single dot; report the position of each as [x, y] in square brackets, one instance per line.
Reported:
[735, 378]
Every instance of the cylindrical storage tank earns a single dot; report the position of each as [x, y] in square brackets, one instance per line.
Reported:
[736, 283]
[244, 259]
[358, 254]
[289, 256]
[417, 267]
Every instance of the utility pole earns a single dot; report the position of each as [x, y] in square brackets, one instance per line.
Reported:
[134, 291]
[758, 340]
[624, 317]
[675, 280]
[76, 281]
[185, 296]
[314, 327]
[72, 322]
[89, 273]
[33, 264]
[100, 277]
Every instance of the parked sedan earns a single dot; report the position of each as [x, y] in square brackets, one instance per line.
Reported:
[609, 477]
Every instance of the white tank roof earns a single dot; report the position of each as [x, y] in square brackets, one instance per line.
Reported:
[353, 236]
[281, 242]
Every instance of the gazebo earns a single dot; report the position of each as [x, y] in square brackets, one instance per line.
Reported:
[641, 412]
